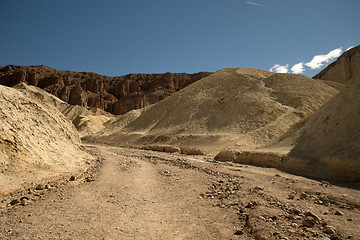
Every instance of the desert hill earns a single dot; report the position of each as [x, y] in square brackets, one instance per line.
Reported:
[86, 120]
[344, 68]
[33, 140]
[116, 95]
[325, 145]
[331, 136]
[244, 107]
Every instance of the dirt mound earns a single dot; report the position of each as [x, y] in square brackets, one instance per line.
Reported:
[325, 145]
[116, 95]
[248, 107]
[36, 141]
[86, 120]
[344, 68]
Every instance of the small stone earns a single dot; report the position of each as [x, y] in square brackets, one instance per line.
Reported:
[258, 188]
[232, 203]
[323, 238]
[296, 211]
[24, 201]
[14, 201]
[89, 179]
[40, 187]
[238, 232]
[291, 230]
[72, 178]
[291, 196]
[277, 175]
[303, 195]
[329, 229]
[316, 217]
[308, 221]
[349, 219]
[338, 213]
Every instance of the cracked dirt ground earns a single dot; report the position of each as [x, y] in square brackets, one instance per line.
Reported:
[137, 194]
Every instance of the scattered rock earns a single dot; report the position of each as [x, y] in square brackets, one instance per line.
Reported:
[329, 229]
[40, 187]
[308, 221]
[291, 196]
[232, 203]
[72, 178]
[303, 195]
[323, 238]
[89, 179]
[325, 184]
[24, 201]
[258, 188]
[15, 201]
[239, 232]
[339, 213]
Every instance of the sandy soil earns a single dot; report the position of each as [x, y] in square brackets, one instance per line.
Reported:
[137, 194]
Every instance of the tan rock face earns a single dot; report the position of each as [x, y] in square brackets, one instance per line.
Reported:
[117, 95]
[344, 68]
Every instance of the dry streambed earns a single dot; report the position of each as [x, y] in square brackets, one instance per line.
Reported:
[153, 195]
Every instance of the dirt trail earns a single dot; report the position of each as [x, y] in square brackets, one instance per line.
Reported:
[139, 194]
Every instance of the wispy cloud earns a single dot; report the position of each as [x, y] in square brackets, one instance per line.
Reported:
[298, 68]
[319, 60]
[280, 68]
[256, 4]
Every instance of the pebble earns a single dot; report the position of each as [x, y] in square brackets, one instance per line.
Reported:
[89, 179]
[291, 196]
[72, 178]
[40, 187]
[24, 201]
[14, 201]
[308, 222]
[239, 232]
[329, 229]
[323, 238]
[338, 213]
[303, 195]
[258, 188]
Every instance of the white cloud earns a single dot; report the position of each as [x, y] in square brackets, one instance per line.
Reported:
[298, 68]
[280, 68]
[319, 60]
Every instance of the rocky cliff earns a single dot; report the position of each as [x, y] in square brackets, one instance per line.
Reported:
[116, 95]
[344, 68]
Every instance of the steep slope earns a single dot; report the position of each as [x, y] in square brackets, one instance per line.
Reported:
[331, 136]
[325, 145]
[116, 95]
[33, 140]
[248, 107]
[344, 68]
[86, 120]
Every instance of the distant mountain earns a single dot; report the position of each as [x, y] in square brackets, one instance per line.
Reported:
[344, 68]
[116, 95]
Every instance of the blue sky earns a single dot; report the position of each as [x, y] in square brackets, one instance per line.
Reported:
[117, 37]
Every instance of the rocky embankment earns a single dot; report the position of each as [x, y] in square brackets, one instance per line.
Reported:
[116, 95]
